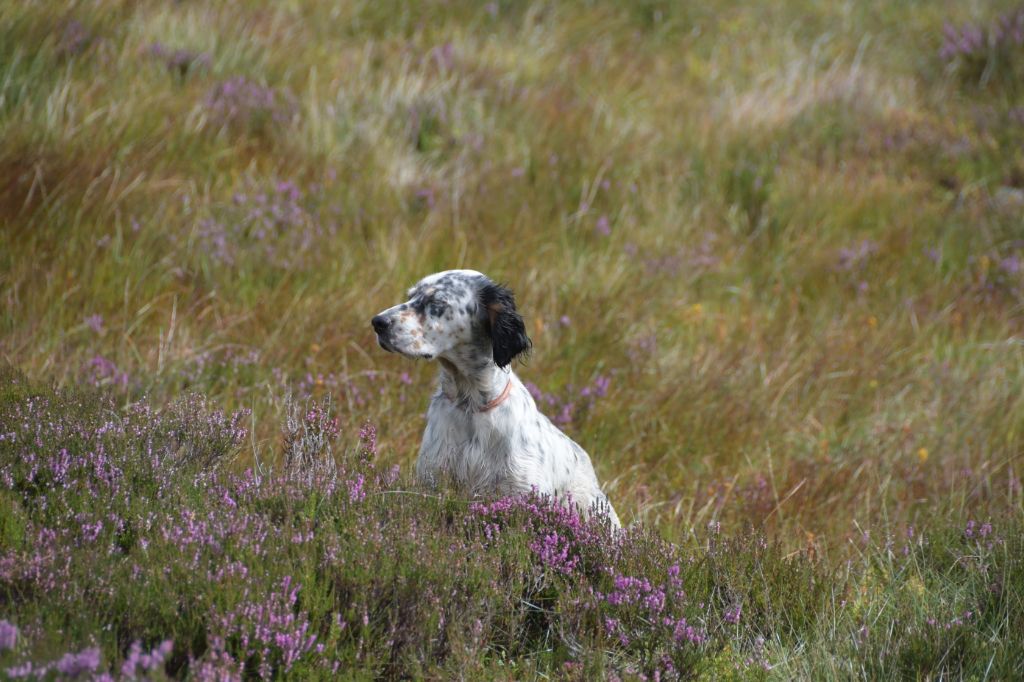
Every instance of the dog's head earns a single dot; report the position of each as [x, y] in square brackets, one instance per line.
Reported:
[458, 315]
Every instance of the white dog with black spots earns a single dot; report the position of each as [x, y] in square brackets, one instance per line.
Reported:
[484, 430]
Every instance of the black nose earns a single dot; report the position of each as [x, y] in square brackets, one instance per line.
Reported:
[380, 323]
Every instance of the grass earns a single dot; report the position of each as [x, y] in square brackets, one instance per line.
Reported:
[786, 237]
[131, 544]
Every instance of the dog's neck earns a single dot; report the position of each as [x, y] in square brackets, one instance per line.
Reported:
[476, 388]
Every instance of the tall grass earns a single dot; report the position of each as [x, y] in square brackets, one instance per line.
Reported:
[783, 241]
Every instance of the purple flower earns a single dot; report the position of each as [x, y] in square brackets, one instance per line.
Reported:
[975, 44]
[138, 661]
[855, 256]
[567, 409]
[603, 227]
[104, 372]
[267, 626]
[8, 635]
[179, 60]
[368, 441]
[318, 418]
[555, 552]
[85, 661]
[241, 101]
[356, 493]
[276, 221]
[73, 39]
[95, 323]
[684, 632]
[444, 55]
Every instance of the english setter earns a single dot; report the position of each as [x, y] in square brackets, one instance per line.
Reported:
[483, 427]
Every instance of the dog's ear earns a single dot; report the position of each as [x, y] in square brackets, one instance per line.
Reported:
[508, 333]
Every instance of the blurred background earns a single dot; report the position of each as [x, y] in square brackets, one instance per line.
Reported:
[769, 254]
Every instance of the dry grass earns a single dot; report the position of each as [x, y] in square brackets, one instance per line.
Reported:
[805, 284]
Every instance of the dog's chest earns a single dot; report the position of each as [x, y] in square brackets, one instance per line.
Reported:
[465, 447]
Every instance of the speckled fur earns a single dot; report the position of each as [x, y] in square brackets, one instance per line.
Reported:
[470, 325]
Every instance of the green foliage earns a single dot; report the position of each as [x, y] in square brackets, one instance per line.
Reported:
[783, 238]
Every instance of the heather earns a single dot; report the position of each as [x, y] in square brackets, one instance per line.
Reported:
[770, 256]
[131, 547]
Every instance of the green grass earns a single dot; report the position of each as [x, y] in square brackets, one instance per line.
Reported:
[809, 301]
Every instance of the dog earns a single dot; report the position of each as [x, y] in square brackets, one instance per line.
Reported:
[484, 430]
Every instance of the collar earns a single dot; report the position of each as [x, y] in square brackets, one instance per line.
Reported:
[499, 400]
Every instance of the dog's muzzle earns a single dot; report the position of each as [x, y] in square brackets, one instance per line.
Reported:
[382, 325]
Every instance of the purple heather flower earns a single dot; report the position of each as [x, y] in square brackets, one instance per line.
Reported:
[141, 662]
[427, 196]
[603, 226]
[857, 255]
[25, 670]
[104, 371]
[268, 624]
[85, 661]
[554, 552]
[356, 493]
[73, 39]
[444, 55]
[94, 322]
[243, 101]
[972, 42]
[8, 635]
[368, 440]
[1010, 265]
[179, 60]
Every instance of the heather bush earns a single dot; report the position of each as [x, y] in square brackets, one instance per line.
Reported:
[129, 546]
[984, 53]
[243, 105]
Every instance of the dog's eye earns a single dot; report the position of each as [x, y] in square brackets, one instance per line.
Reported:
[437, 308]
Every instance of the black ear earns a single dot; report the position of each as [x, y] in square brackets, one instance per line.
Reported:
[508, 333]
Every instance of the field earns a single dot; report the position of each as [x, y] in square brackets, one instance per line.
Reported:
[771, 257]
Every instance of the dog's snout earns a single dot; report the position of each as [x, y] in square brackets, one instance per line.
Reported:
[380, 323]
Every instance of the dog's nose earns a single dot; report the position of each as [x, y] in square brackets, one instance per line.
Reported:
[380, 323]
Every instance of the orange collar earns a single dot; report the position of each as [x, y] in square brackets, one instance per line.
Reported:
[499, 400]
